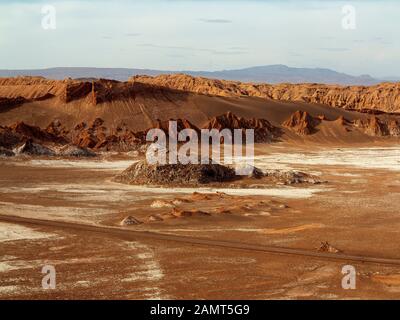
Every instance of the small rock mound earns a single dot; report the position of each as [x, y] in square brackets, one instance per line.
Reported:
[162, 204]
[302, 123]
[176, 214]
[326, 247]
[179, 213]
[75, 151]
[292, 177]
[33, 149]
[190, 174]
[130, 221]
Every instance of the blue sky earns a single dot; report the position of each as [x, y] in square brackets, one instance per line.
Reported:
[202, 35]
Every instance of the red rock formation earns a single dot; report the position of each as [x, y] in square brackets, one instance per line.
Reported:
[301, 123]
[384, 97]
[394, 128]
[21, 132]
[372, 126]
[181, 125]
[32, 132]
[263, 130]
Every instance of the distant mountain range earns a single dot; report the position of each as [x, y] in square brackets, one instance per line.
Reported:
[267, 74]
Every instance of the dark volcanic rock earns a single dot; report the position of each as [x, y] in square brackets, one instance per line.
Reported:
[6, 153]
[190, 174]
[34, 149]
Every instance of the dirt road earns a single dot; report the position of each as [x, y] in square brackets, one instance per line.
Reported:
[134, 235]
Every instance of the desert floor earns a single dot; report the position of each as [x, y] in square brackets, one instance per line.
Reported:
[357, 211]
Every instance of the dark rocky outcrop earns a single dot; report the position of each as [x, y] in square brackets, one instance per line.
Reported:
[6, 152]
[11, 102]
[169, 174]
[33, 149]
[291, 177]
[75, 90]
[130, 221]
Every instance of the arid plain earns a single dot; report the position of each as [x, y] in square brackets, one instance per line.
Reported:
[326, 194]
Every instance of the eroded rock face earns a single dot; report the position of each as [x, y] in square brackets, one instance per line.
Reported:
[264, 131]
[182, 124]
[21, 132]
[96, 136]
[33, 132]
[302, 123]
[394, 128]
[75, 90]
[377, 127]
[190, 174]
[384, 97]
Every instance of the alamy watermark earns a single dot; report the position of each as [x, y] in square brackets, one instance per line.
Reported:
[49, 280]
[194, 148]
[349, 20]
[49, 19]
[349, 279]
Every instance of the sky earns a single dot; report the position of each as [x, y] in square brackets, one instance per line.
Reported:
[202, 34]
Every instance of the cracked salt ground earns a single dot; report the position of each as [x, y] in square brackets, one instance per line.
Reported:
[87, 215]
[149, 271]
[12, 232]
[80, 164]
[366, 158]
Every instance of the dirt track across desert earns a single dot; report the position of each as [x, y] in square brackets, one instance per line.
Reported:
[137, 235]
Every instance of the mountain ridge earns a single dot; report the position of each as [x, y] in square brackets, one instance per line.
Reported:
[260, 74]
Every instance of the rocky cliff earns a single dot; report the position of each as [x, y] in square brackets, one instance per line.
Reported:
[384, 97]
